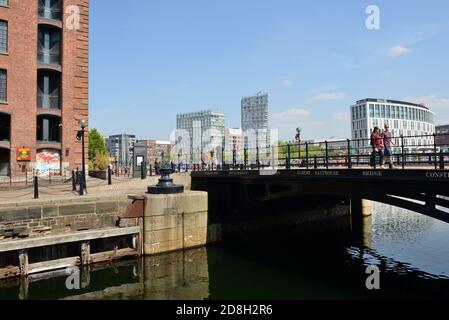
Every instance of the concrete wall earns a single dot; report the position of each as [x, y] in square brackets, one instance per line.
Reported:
[58, 216]
[174, 222]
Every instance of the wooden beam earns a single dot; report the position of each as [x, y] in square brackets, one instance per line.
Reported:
[9, 272]
[53, 265]
[20, 244]
[112, 255]
[85, 252]
[23, 262]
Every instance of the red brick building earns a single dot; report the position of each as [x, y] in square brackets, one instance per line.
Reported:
[43, 85]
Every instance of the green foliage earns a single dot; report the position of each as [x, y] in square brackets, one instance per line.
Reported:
[99, 162]
[96, 144]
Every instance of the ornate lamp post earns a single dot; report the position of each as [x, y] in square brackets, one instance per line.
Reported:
[165, 185]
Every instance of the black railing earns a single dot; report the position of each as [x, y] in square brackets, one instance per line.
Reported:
[421, 151]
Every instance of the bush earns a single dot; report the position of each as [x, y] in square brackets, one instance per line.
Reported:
[100, 161]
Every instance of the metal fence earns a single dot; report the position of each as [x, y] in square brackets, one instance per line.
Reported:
[407, 152]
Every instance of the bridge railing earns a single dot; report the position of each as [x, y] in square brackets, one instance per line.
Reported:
[407, 152]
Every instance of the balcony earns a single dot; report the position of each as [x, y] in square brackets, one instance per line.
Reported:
[48, 89]
[48, 129]
[49, 45]
[50, 9]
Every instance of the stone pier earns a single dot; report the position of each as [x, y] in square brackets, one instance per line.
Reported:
[175, 222]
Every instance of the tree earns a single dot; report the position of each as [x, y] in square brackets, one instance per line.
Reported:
[96, 144]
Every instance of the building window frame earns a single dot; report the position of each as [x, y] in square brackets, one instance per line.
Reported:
[4, 30]
[3, 86]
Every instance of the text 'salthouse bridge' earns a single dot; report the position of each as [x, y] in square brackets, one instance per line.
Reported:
[418, 181]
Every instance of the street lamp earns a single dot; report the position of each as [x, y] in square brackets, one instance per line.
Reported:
[80, 137]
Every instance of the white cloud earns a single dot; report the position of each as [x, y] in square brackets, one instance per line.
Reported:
[327, 96]
[287, 83]
[397, 51]
[341, 116]
[431, 101]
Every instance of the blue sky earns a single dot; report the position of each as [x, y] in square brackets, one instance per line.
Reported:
[150, 60]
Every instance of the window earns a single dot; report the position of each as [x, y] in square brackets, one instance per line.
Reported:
[49, 45]
[50, 9]
[3, 86]
[371, 110]
[3, 36]
[4, 3]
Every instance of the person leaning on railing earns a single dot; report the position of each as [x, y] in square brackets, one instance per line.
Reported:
[388, 142]
[377, 142]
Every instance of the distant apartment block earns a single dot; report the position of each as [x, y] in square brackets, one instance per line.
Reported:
[205, 128]
[234, 137]
[157, 149]
[404, 118]
[442, 136]
[255, 117]
[121, 148]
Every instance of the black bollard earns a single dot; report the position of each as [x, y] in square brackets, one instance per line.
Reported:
[142, 169]
[81, 182]
[36, 187]
[109, 175]
[73, 181]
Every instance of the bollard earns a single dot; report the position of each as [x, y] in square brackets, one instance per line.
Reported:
[81, 182]
[142, 168]
[36, 187]
[73, 181]
[151, 170]
[109, 175]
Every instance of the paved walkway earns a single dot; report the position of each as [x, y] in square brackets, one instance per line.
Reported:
[95, 187]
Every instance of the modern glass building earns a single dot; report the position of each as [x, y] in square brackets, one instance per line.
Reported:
[255, 117]
[205, 128]
[404, 118]
[121, 148]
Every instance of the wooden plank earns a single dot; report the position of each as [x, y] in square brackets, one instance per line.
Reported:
[112, 255]
[9, 272]
[47, 275]
[53, 265]
[19, 244]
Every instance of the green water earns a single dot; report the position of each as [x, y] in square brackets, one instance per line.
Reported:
[412, 252]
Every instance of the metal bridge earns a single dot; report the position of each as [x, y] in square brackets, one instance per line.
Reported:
[419, 182]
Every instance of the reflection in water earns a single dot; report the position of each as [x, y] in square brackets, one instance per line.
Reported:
[298, 263]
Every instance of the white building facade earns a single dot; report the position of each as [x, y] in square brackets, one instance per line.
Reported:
[413, 121]
[203, 130]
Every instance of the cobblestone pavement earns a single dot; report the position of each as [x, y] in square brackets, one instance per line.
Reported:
[95, 187]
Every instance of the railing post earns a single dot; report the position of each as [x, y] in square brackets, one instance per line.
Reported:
[245, 158]
[327, 154]
[257, 157]
[299, 151]
[287, 162]
[307, 155]
[403, 151]
[315, 163]
[441, 160]
[36, 187]
[349, 155]
[435, 150]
